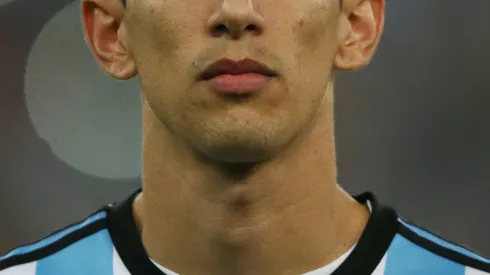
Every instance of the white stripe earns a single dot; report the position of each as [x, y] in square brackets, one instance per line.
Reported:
[25, 269]
[380, 269]
[472, 271]
[331, 267]
[117, 264]
[166, 271]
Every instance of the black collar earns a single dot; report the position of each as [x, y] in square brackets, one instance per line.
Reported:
[369, 251]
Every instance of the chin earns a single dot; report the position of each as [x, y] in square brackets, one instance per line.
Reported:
[228, 139]
[240, 150]
[240, 155]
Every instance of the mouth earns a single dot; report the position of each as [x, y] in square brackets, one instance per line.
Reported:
[237, 77]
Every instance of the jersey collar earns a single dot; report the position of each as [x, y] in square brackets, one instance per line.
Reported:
[369, 251]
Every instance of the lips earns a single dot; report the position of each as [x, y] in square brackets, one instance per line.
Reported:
[231, 77]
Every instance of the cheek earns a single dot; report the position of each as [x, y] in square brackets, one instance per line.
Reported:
[157, 44]
[315, 36]
[315, 30]
[169, 26]
[165, 39]
[151, 37]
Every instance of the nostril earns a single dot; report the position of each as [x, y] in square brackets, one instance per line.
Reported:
[221, 28]
[252, 28]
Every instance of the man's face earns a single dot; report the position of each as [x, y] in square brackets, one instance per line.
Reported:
[173, 41]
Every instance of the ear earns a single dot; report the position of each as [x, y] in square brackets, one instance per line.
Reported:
[107, 37]
[360, 30]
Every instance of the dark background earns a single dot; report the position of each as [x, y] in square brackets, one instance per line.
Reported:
[412, 127]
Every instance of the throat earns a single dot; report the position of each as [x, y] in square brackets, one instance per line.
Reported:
[241, 233]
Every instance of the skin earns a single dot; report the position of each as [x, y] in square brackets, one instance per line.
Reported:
[249, 185]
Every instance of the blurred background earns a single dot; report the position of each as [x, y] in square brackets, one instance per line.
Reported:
[413, 127]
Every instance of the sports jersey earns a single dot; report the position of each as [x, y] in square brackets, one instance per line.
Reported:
[108, 243]
[325, 270]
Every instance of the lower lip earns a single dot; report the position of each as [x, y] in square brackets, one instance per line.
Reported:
[238, 84]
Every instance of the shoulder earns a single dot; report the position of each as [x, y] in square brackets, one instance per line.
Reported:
[424, 252]
[78, 245]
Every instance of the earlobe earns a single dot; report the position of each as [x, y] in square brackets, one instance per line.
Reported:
[107, 39]
[360, 33]
[349, 59]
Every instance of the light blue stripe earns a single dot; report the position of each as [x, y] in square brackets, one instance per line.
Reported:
[53, 238]
[406, 258]
[431, 237]
[89, 256]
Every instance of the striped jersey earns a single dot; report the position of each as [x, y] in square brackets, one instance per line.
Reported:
[108, 243]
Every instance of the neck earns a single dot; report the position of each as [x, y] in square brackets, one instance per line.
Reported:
[283, 216]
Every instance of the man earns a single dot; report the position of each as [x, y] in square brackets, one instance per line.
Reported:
[239, 167]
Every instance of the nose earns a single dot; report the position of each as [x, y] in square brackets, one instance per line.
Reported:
[235, 19]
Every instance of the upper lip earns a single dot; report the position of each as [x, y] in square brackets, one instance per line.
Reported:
[228, 66]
